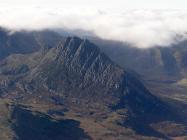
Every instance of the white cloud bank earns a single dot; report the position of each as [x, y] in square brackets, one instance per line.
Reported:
[141, 28]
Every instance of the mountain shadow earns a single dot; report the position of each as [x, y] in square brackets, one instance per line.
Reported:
[38, 126]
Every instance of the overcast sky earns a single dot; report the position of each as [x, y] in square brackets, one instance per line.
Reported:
[115, 4]
[142, 23]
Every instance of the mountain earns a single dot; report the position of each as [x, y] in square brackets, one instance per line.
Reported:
[77, 69]
[25, 42]
[70, 84]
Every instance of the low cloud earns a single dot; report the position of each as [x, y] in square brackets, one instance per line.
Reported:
[141, 28]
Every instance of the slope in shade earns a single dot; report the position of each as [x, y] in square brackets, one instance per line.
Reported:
[29, 126]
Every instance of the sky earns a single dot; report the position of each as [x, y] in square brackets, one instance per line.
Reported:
[115, 4]
[142, 23]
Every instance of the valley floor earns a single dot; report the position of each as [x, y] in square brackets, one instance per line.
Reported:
[37, 119]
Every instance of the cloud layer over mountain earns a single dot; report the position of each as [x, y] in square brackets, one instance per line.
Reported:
[141, 28]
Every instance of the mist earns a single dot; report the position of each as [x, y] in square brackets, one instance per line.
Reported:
[140, 28]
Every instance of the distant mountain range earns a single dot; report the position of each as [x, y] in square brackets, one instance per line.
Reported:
[157, 66]
[52, 79]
